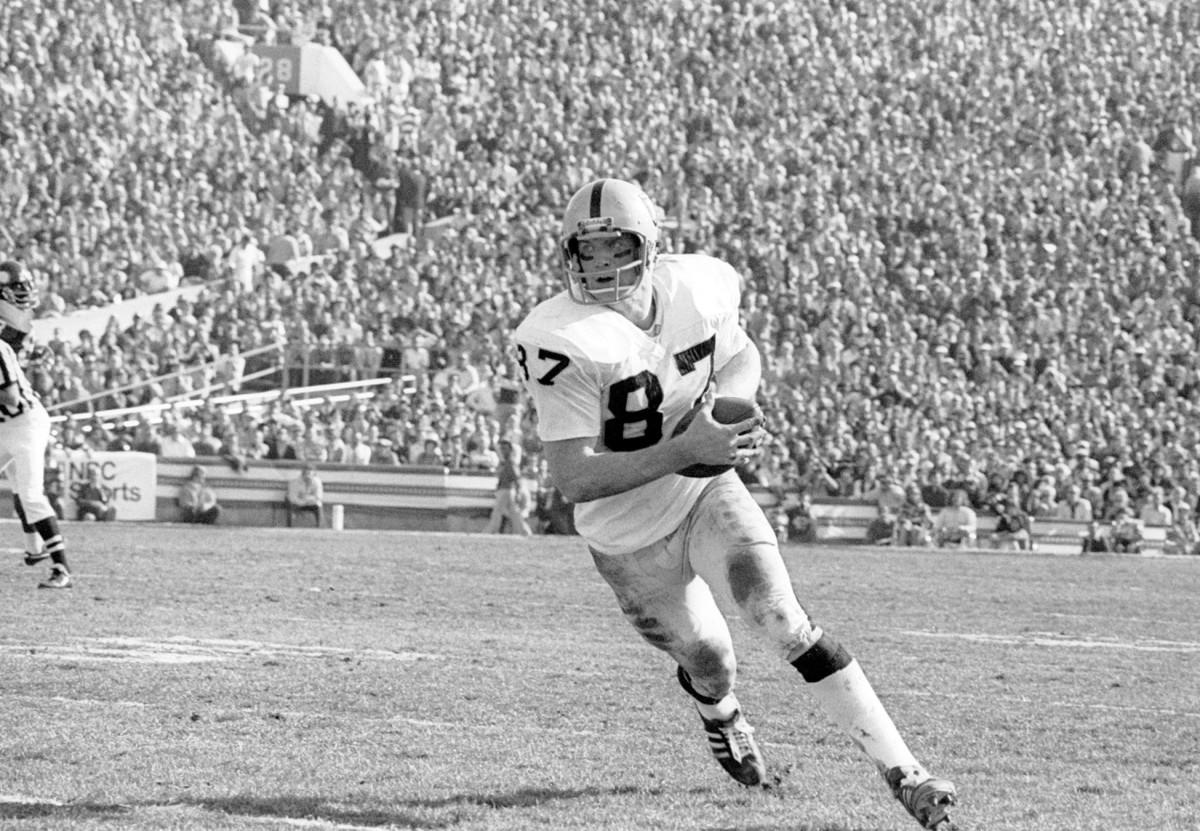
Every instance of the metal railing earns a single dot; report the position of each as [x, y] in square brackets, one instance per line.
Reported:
[88, 402]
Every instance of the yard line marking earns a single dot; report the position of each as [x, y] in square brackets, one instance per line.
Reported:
[186, 650]
[265, 819]
[477, 727]
[305, 823]
[86, 702]
[1046, 702]
[19, 799]
[1055, 639]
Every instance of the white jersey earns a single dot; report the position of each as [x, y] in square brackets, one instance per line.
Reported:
[594, 374]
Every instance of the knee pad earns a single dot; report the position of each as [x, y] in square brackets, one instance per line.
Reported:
[685, 681]
[716, 670]
[822, 660]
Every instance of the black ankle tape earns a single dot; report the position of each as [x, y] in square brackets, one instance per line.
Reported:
[685, 681]
[822, 660]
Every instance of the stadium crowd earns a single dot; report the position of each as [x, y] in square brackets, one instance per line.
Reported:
[966, 232]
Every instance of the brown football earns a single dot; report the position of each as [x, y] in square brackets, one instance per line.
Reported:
[727, 409]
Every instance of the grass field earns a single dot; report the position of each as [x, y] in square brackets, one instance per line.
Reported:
[249, 678]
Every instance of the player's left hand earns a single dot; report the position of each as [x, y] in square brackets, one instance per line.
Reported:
[750, 444]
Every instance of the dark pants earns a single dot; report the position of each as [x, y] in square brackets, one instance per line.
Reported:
[95, 510]
[315, 510]
[208, 517]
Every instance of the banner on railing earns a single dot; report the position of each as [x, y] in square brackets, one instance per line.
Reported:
[130, 480]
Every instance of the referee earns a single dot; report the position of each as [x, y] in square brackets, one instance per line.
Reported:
[25, 430]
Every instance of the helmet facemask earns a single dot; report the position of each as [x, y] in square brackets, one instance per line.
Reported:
[604, 264]
[16, 287]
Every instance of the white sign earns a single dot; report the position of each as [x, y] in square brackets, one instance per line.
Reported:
[130, 480]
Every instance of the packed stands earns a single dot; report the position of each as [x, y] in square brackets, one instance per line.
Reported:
[966, 230]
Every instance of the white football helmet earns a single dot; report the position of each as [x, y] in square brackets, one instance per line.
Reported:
[15, 286]
[609, 241]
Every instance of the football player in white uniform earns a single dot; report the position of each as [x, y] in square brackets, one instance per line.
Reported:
[25, 430]
[613, 364]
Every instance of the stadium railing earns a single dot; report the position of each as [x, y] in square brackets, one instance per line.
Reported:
[846, 521]
[432, 498]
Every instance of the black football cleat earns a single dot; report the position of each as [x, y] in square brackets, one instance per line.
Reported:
[732, 744]
[929, 800]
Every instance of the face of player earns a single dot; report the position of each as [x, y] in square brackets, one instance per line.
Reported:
[609, 264]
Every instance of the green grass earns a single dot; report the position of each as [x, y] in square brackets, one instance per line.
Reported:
[254, 678]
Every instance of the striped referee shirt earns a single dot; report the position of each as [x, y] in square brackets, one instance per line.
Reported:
[12, 376]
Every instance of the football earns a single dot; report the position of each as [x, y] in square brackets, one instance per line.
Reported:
[727, 409]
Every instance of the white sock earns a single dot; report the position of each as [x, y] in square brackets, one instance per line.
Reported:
[33, 542]
[850, 700]
[723, 710]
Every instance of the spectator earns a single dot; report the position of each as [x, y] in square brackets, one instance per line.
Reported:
[246, 260]
[1074, 505]
[1127, 533]
[817, 481]
[1097, 539]
[881, 530]
[957, 523]
[887, 494]
[512, 501]
[1043, 499]
[306, 495]
[408, 215]
[1155, 512]
[480, 455]
[801, 523]
[1090, 490]
[54, 486]
[1117, 501]
[914, 520]
[197, 501]
[360, 449]
[968, 478]
[92, 500]
[1014, 527]
[1114, 491]
[144, 438]
[431, 454]
[174, 445]
[1183, 536]
[554, 514]
[849, 486]
[230, 449]
[933, 492]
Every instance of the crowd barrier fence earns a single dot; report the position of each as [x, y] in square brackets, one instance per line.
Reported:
[418, 498]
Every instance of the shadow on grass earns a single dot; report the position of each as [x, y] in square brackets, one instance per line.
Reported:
[787, 826]
[529, 797]
[444, 812]
[45, 810]
[319, 808]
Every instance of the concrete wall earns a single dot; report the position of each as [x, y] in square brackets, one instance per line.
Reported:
[414, 498]
[408, 498]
